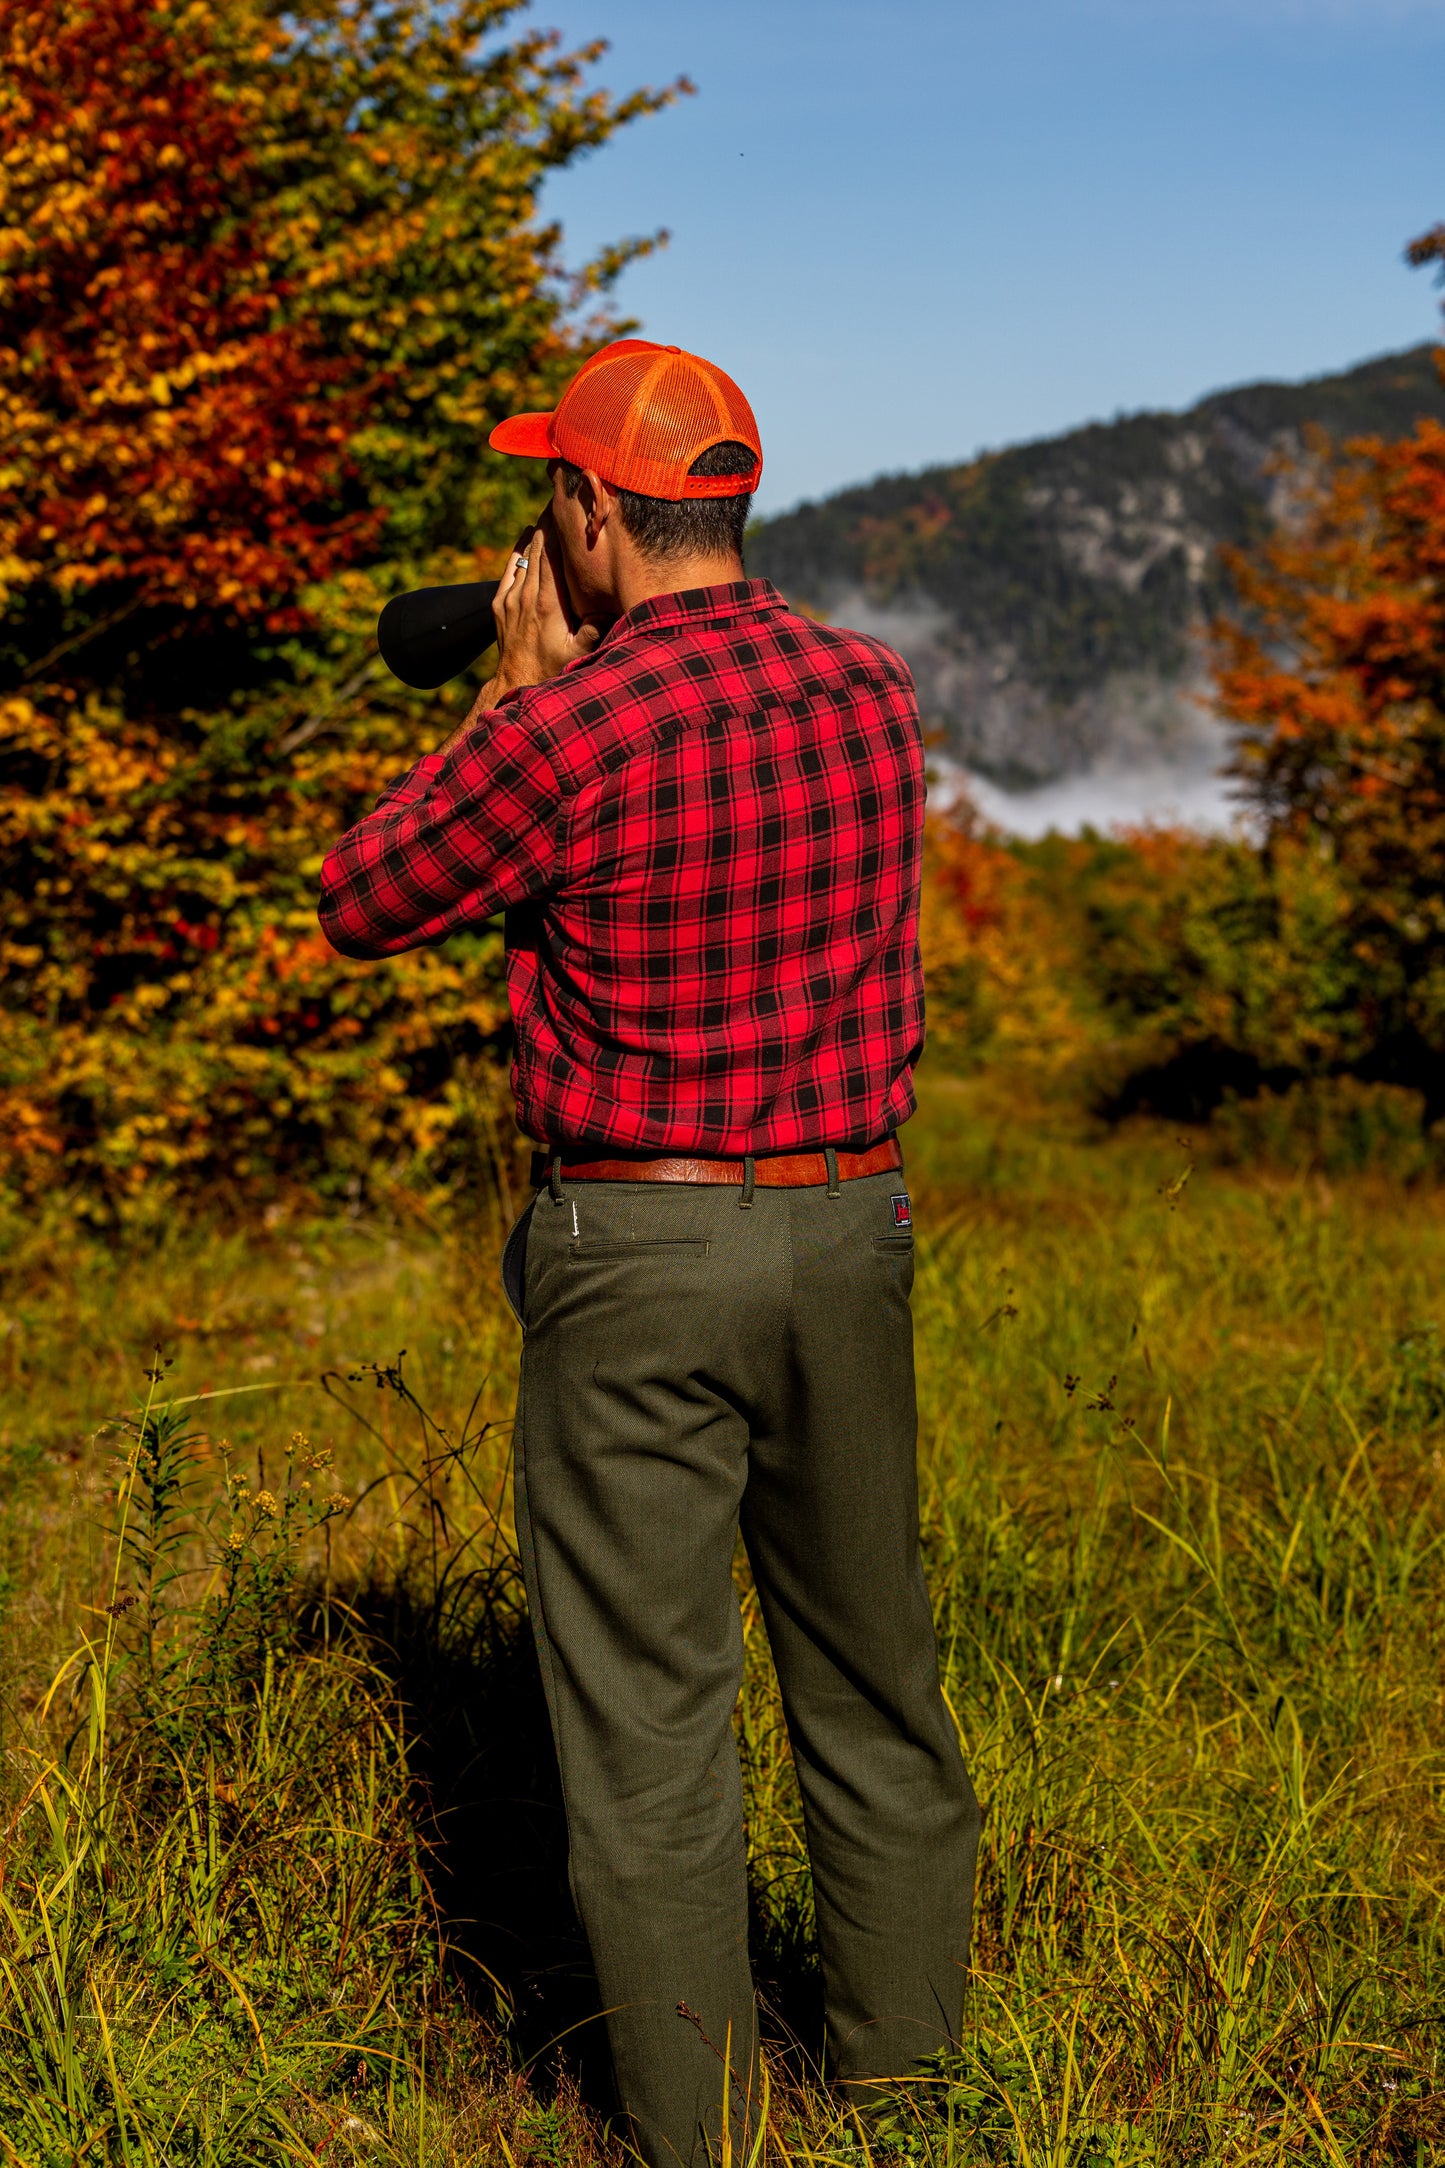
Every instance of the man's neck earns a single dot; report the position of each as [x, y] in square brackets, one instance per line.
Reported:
[641, 580]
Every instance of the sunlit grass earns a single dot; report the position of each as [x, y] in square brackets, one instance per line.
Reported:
[1182, 1487]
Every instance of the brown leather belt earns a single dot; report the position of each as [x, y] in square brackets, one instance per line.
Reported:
[783, 1170]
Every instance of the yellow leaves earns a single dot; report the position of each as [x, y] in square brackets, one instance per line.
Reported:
[997, 962]
[19, 720]
[28, 1129]
[14, 242]
[160, 873]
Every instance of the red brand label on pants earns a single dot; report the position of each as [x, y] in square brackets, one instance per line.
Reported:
[902, 1212]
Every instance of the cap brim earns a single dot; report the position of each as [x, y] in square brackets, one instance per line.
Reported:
[525, 436]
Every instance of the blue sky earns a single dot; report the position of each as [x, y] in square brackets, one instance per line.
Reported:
[913, 229]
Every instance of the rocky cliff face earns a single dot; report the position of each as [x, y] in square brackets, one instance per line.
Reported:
[1051, 599]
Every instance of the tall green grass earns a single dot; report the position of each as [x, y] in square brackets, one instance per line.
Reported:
[283, 1870]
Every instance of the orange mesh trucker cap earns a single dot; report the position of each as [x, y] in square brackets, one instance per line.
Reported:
[639, 415]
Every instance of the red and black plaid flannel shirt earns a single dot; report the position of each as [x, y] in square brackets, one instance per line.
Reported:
[706, 837]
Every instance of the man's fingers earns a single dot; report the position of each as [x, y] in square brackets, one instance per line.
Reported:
[550, 543]
[548, 587]
[517, 564]
[534, 621]
[543, 593]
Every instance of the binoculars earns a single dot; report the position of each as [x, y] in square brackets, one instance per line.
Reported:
[433, 633]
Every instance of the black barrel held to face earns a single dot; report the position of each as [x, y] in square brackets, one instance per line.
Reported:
[434, 633]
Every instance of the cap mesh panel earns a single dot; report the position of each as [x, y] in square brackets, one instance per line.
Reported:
[682, 412]
[641, 417]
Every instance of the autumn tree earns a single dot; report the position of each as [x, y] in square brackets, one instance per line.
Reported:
[1336, 679]
[268, 274]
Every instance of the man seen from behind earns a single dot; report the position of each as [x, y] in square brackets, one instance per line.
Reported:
[702, 816]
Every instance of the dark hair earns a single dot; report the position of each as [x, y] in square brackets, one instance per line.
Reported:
[694, 526]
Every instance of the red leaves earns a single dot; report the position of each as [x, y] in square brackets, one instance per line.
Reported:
[169, 428]
[204, 938]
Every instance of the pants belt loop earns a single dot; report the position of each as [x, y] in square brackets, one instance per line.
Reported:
[750, 1168]
[830, 1161]
[554, 1179]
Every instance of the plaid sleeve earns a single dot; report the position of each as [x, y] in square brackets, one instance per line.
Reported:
[457, 838]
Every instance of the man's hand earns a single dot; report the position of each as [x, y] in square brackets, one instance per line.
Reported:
[536, 634]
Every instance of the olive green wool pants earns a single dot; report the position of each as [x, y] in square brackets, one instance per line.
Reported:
[693, 1364]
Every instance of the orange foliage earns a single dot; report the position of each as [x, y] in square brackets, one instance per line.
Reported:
[1338, 684]
[999, 961]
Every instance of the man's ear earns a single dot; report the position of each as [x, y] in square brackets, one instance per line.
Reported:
[598, 504]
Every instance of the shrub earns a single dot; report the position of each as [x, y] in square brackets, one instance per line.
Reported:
[1159, 968]
[1334, 1124]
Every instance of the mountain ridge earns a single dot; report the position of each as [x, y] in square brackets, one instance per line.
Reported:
[1050, 597]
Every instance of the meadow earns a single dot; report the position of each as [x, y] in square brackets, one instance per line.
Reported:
[283, 1871]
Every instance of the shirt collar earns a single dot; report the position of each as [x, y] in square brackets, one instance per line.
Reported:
[697, 606]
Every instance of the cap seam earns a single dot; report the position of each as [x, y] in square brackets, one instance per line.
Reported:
[637, 410]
